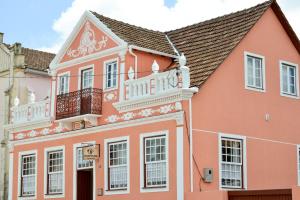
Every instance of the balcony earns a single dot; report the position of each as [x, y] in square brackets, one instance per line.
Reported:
[157, 88]
[30, 113]
[79, 104]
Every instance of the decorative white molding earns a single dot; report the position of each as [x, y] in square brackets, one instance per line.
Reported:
[144, 113]
[155, 100]
[87, 16]
[177, 116]
[88, 43]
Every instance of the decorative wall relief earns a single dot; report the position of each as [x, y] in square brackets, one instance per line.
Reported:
[145, 113]
[110, 96]
[88, 43]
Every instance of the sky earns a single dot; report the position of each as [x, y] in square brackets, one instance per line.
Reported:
[45, 24]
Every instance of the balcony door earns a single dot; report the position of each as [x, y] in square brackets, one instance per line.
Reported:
[86, 90]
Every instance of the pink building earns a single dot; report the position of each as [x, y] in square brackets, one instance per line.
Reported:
[208, 111]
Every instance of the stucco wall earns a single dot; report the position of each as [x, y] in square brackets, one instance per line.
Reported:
[224, 105]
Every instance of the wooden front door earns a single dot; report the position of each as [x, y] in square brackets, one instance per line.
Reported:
[85, 185]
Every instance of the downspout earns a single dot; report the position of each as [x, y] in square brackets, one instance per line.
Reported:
[191, 144]
[11, 81]
[135, 60]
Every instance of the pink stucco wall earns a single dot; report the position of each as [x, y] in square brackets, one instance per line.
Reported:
[224, 105]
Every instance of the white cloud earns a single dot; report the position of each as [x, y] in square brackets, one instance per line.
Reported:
[154, 14]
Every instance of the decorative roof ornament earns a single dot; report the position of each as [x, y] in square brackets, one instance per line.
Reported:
[32, 97]
[182, 60]
[88, 43]
[16, 101]
[131, 73]
[155, 67]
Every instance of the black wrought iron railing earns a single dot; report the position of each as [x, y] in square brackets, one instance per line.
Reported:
[81, 102]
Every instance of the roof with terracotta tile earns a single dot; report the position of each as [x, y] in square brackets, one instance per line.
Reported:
[37, 60]
[207, 44]
[138, 36]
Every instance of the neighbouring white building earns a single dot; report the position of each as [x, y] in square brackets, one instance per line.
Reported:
[23, 79]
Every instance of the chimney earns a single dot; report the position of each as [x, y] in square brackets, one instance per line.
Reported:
[1, 37]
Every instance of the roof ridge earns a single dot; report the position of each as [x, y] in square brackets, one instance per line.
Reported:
[38, 50]
[266, 3]
[136, 26]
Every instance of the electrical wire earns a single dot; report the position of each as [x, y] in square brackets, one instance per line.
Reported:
[194, 159]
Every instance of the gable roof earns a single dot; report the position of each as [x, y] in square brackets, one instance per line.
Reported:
[37, 60]
[207, 44]
[138, 36]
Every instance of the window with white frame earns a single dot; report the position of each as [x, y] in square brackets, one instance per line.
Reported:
[63, 84]
[87, 78]
[55, 177]
[83, 164]
[254, 72]
[155, 162]
[231, 163]
[28, 175]
[117, 165]
[288, 79]
[111, 74]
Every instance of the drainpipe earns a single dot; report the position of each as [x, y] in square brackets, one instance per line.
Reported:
[191, 144]
[10, 80]
[135, 60]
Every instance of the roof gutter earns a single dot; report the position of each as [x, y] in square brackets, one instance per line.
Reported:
[152, 51]
[37, 72]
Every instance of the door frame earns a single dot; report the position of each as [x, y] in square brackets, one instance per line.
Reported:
[75, 146]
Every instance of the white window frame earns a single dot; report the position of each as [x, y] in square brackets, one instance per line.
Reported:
[281, 62]
[106, 164]
[75, 146]
[46, 150]
[104, 74]
[298, 164]
[142, 156]
[79, 74]
[263, 89]
[21, 154]
[244, 160]
[58, 82]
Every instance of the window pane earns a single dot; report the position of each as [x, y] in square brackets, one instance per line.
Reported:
[231, 168]
[55, 172]
[250, 71]
[254, 72]
[83, 164]
[155, 161]
[28, 175]
[117, 165]
[284, 79]
[111, 75]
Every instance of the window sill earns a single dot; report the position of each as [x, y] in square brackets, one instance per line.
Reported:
[289, 95]
[114, 192]
[155, 189]
[110, 89]
[27, 198]
[255, 89]
[53, 196]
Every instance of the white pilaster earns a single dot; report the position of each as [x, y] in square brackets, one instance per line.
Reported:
[179, 163]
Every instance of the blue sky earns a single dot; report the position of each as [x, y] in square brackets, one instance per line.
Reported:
[30, 22]
[45, 24]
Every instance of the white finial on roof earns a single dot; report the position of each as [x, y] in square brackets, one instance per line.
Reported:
[155, 67]
[182, 60]
[16, 101]
[130, 73]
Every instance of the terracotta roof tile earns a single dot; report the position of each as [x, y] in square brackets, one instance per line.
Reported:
[207, 44]
[37, 60]
[134, 35]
